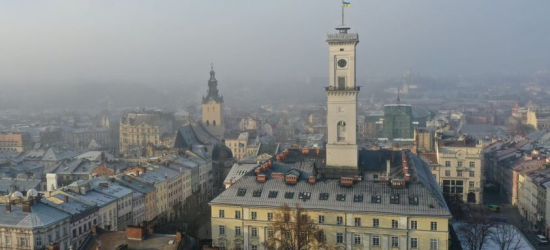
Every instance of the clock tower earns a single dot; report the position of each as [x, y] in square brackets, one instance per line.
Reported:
[342, 150]
[212, 108]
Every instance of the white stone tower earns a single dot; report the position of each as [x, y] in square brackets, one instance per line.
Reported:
[212, 108]
[342, 150]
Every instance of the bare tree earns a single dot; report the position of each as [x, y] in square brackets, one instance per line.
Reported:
[294, 229]
[506, 237]
[476, 232]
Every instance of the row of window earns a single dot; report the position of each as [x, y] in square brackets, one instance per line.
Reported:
[460, 164]
[459, 173]
[357, 239]
[339, 220]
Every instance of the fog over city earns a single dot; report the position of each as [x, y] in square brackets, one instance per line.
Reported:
[52, 45]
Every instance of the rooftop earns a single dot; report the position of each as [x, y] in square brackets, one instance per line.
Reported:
[41, 215]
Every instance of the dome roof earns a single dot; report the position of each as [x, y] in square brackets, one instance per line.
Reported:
[16, 194]
[32, 193]
[221, 152]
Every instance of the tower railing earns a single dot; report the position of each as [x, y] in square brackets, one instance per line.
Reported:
[331, 88]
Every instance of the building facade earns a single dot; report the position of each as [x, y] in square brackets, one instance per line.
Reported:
[140, 128]
[18, 142]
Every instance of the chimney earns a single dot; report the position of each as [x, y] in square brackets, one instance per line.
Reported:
[66, 198]
[137, 173]
[26, 207]
[8, 207]
[179, 236]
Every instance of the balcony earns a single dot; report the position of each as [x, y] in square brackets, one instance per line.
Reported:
[462, 168]
[473, 189]
[350, 89]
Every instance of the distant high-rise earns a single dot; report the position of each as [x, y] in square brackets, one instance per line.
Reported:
[212, 108]
[398, 121]
[342, 150]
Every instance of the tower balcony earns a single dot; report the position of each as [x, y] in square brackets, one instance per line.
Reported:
[331, 88]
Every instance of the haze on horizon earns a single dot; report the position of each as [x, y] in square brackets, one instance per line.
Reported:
[257, 42]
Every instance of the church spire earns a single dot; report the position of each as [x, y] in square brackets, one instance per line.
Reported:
[212, 93]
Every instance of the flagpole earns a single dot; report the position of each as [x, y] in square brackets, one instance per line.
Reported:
[342, 12]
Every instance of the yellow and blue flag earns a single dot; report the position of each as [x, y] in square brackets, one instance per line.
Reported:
[346, 4]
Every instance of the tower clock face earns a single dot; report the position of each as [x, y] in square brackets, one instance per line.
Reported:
[342, 63]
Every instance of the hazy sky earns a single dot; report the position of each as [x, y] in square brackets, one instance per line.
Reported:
[157, 41]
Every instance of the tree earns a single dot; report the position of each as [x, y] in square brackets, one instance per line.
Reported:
[294, 229]
[506, 237]
[476, 232]
[194, 214]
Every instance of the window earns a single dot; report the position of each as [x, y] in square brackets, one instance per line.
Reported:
[447, 163]
[341, 131]
[340, 197]
[375, 176]
[394, 241]
[23, 241]
[472, 164]
[339, 220]
[433, 244]
[414, 242]
[254, 215]
[39, 241]
[272, 194]
[433, 226]
[257, 193]
[375, 222]
[269, 216]
[289, 195]
[8, 241]
[460, 164]
[270, 232]
[254, 231]
[339, 238]
[459, 173]
[413, 200]
[237, 231]
[414, 224]
[453, 186]
[357, 239]
[286, 217]
[358, 198]
[254, 247]
[376, 199]
[222, 214]
[323, 196]
[357, 222]
[341, 83]
[447, 172]
[241, 192]
[394, 199]
[321, 219]
[222, 230]
[237, 214]
[394, 224]
[471, 184]
[472, 173]
[376, 240]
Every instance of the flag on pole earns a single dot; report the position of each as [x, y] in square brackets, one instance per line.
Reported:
[346, 4]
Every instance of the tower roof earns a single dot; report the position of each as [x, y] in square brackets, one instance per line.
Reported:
[212, 93]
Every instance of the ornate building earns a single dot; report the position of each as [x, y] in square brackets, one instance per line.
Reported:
[212, 108]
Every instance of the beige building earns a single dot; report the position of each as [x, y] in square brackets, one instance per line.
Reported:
[460, 171]
[212, 109]
[18, 142]
[242, 145]
[392, 212]
[30, 224]
[139, 129]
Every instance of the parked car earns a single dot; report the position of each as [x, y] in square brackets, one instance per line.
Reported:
[494, 208]
[542, 240]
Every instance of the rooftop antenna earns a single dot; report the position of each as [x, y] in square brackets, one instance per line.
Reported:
[343, 29]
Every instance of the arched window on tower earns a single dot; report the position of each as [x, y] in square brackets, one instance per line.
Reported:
[341, 131]
[207, 123]
[214, 123]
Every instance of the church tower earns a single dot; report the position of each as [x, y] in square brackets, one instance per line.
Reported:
[212, 108]
[342, 150]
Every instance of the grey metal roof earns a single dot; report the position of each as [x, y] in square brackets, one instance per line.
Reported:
[332, 187]
[113, 189]
[98, 198]
[41, 215]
